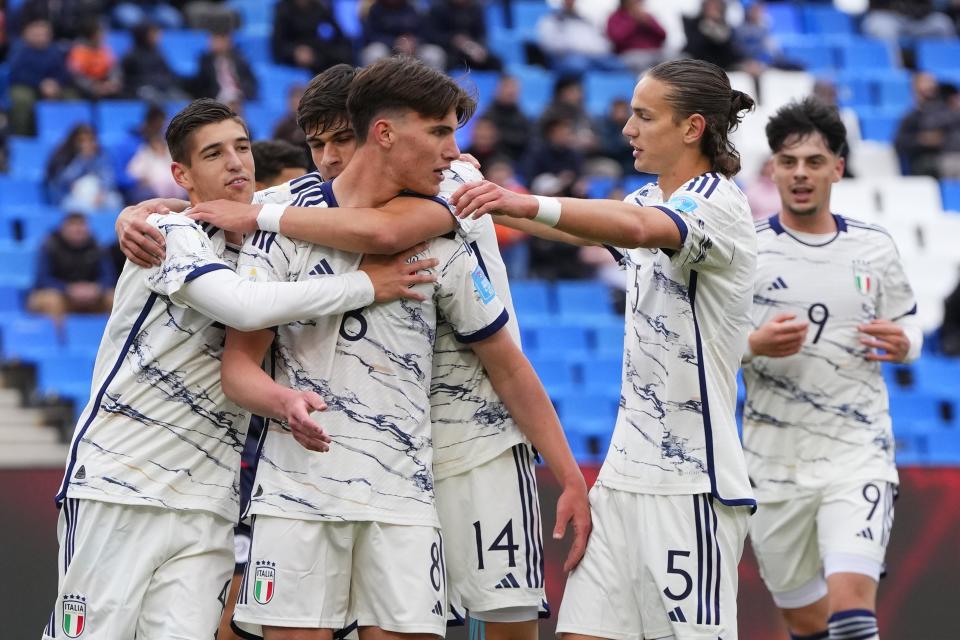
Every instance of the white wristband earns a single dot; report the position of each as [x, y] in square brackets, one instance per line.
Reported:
[269, 217]
[548, 211]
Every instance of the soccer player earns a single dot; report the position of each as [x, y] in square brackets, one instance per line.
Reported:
[149, 497]
[373, 494]
[831, 301]
[672, 499]
[277, 162]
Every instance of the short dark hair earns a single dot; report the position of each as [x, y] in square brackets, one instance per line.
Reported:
[197, 114]
[323, 105]
[273, 156]
[697, 86]
[803, 117]
[402, 82]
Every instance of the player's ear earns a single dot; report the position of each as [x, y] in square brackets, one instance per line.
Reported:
[181, 176]
[383, 132]
[838, 169]
[695, 127]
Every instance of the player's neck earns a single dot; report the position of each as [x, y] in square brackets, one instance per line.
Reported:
[821, 222]
[365, 182]
[232, 237]
[681, 173]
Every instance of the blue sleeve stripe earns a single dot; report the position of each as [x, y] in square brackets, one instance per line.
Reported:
[487, 331]
[207, 268]
[616, 253]
[911, 312]
[713, 187]
[681, 225]
[440, 201]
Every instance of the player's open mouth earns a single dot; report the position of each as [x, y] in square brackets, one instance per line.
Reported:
[239, 181]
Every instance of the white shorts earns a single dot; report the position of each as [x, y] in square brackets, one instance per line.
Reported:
[124, 568]
[656, 566]
[491, 525]
[798, 542]
[313, 574]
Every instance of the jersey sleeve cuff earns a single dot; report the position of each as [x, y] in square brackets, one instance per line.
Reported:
[487, 331]
[207, 268]
[677, 220]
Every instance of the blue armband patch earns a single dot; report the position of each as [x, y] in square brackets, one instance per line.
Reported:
[482, 285]
[683, 204]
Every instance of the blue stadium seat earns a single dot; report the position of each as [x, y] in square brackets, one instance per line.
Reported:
[943, 448]
[814, 56]
[911, 448]
[36, 225]
[880, 125]
[117, 118]
[577, 300]
[894, 92]
[120, 42]
[103, 227]
[19, 192]
[256, 16]
[347, 13]
[602, 375]
[555, 372]
[82, 333]
[601, 88]
[531, 299]
[608, 339]
[911, 411]
[279, 79]
[588, 408]
[182, 49]
[495, 16]
[262, 117]
[784, 17]
[634, 181]
[865, 54]
[937, 55]
[826, 20]
[255, 46]
[937, 375]
[56, 119]
[64, 370]
[4, 86]
[11, 301]
[481, 83]
[508, 45]
[565, 341]
[526, 14]
[29, 337]
[599, 187]
[536, 88]
[951, 194]
[854, 90]
[28, 157]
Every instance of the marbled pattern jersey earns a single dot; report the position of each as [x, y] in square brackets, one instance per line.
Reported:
[373, 368]
[471, 425]
[158, 429]
[821, 415]
[687, 319]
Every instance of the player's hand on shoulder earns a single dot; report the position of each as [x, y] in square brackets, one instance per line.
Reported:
[227, 215]
[297, 407]
[139, 240]
[885, 336]
[573, 509]
[394, 276]
[475, 199]
[779, 337]
[471, 160]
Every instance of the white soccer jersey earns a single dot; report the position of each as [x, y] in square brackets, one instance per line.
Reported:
[471, 426]
[287, 192]
[158, 429]
[687, 320]
[373, 370]
[821, 415]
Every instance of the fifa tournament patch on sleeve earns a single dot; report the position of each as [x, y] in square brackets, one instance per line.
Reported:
[683, 204]
[482, 285]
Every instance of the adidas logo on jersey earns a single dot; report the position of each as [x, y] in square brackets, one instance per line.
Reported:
[508, 582]
[866, 533]
[777, 284]
[677, 615]
[438, 609]
[81, 473]
[322, 268]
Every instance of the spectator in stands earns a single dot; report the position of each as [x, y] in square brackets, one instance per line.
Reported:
[287, 127]
[461, 29]
[80, 175]
[710, 36]
[922, 132]
[949, 164]
[514, 244]
[573, 44]
[92, 64]
[74, 275]
[130, 14]
[150, 165]
[146, 74]
[513, 126]
[762, 194]
[636, 35]
[277, 162]
[891, 20]
[65, 17]
[306, 34]
[395, 26]
[556, 155]
[567, 104]
[484, 141]
[611, 141]
[224, 73]
[38, 71]
[756, 43]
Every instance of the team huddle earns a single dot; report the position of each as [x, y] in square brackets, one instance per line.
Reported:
[350, 334]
